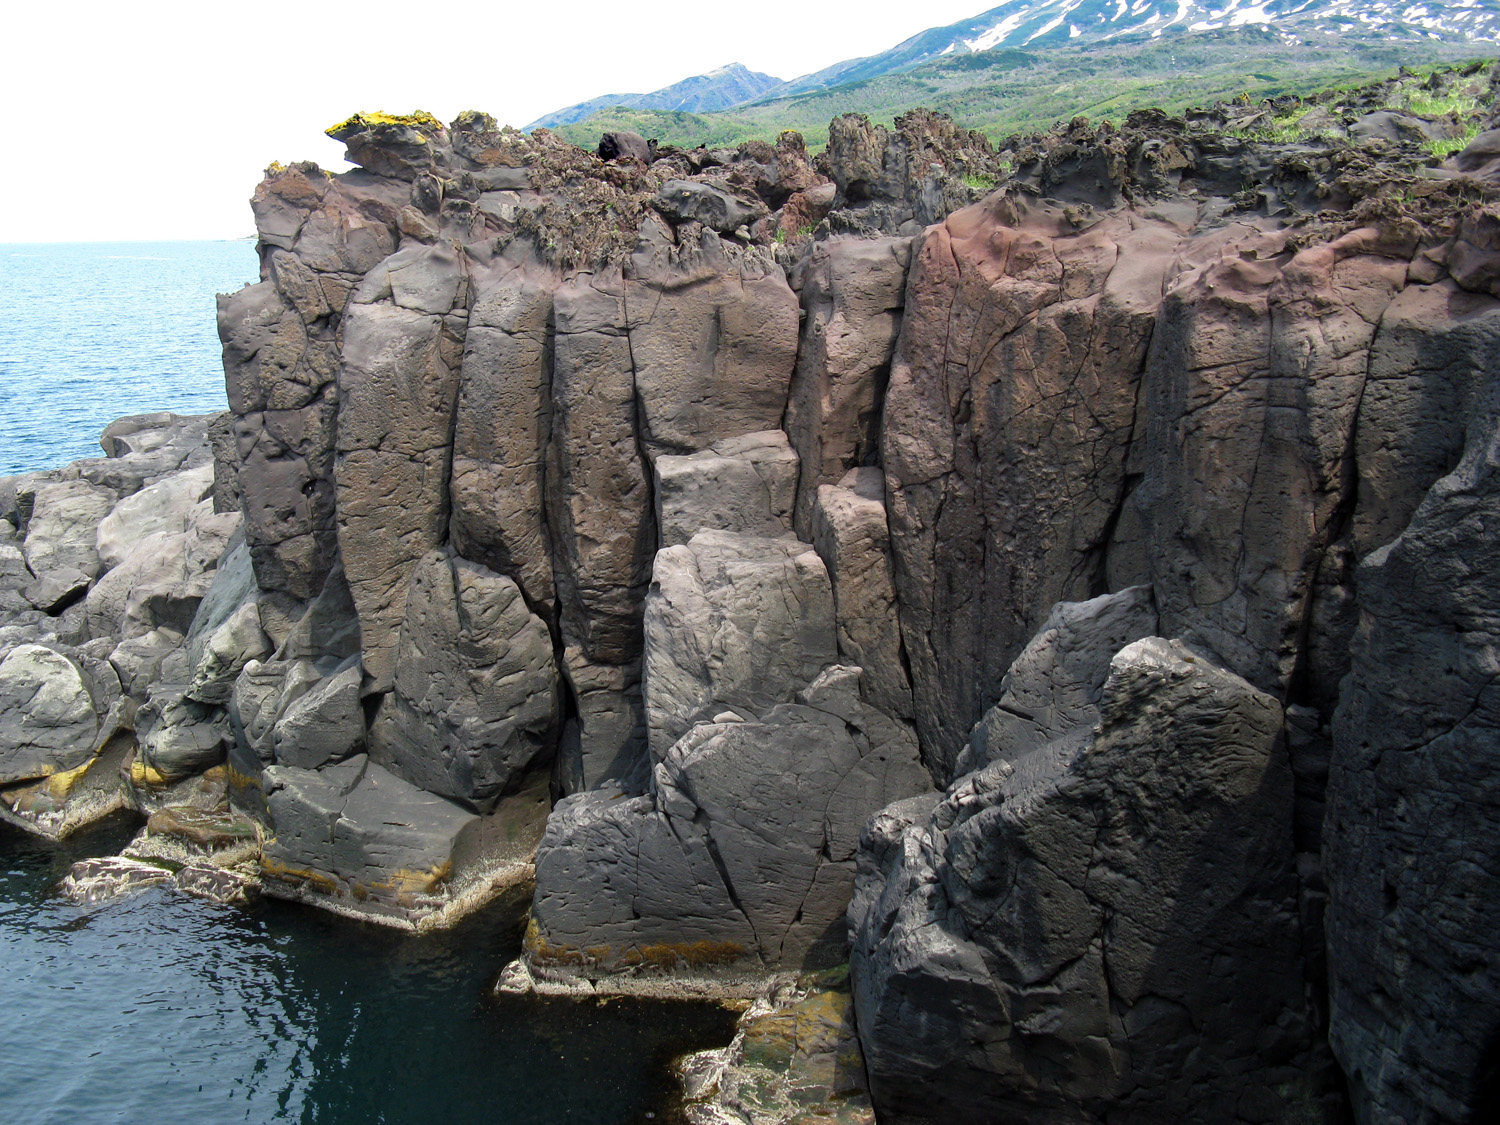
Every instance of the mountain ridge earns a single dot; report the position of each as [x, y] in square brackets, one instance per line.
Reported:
[720, 88]
[984, 44]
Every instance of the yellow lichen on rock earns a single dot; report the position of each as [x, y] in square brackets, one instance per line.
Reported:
[361, 121]
[150, 776]
[61, 785]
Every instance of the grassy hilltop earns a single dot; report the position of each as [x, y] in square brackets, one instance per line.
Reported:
[1005, 91]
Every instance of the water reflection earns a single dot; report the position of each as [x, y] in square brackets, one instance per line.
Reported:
[164, 1009]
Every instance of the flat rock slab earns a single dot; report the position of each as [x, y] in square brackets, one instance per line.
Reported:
[357, 832]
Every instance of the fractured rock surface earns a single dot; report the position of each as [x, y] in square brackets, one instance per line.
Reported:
[1412, 908]
[1061, 934]
[733, 621]
[474, 705]
[732, 495]
[744, 851]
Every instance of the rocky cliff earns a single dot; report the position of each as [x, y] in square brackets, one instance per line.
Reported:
[1058, 581]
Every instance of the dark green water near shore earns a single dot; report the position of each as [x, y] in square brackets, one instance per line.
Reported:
[163, 1009]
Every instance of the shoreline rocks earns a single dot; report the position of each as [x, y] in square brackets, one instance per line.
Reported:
[567, 522]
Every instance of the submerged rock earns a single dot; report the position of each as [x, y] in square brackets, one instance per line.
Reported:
[795, 1058]
[107, 877]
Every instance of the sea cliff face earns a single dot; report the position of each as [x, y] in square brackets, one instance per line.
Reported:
[1072, 603]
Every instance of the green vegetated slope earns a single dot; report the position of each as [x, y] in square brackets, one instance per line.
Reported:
[1006, 91]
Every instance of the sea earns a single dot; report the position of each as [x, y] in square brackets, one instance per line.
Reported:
[166, 1010]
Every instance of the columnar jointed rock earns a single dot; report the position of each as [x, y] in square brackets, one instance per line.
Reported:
[746, 484]
[849, 531]
[1412, 839]
[853, 291]
[398, 387]
[743, 855]
[503, 425]
[1105, 930]
[599, 484]
[1022, 344]
[475, 705]
[732, 622]
[1109, 377]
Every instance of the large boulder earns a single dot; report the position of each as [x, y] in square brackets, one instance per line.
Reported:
[743, 853]
[1104, 930]
[320, 647]
[717, 208]
[48, 718]
[1056, 684]
[164, 508]
[63, 526]
[475, 702]
[355, 832]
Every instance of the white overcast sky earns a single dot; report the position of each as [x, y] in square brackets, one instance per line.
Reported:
[154, 120]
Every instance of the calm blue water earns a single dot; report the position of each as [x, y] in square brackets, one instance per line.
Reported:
[170, 1011]
[92, 331]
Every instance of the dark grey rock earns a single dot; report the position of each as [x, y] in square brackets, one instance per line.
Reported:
[1106, 929]
[475, 702]
[360, 837]
[744, 852]
[604, 742]
[1055, 685]
[325, 724]
[684, 201]
[1412, 835]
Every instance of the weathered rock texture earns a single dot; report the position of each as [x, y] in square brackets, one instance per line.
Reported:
[734, 496]
[1104, 928]
[795, 1057]
[743, 852]
[1414, 799]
